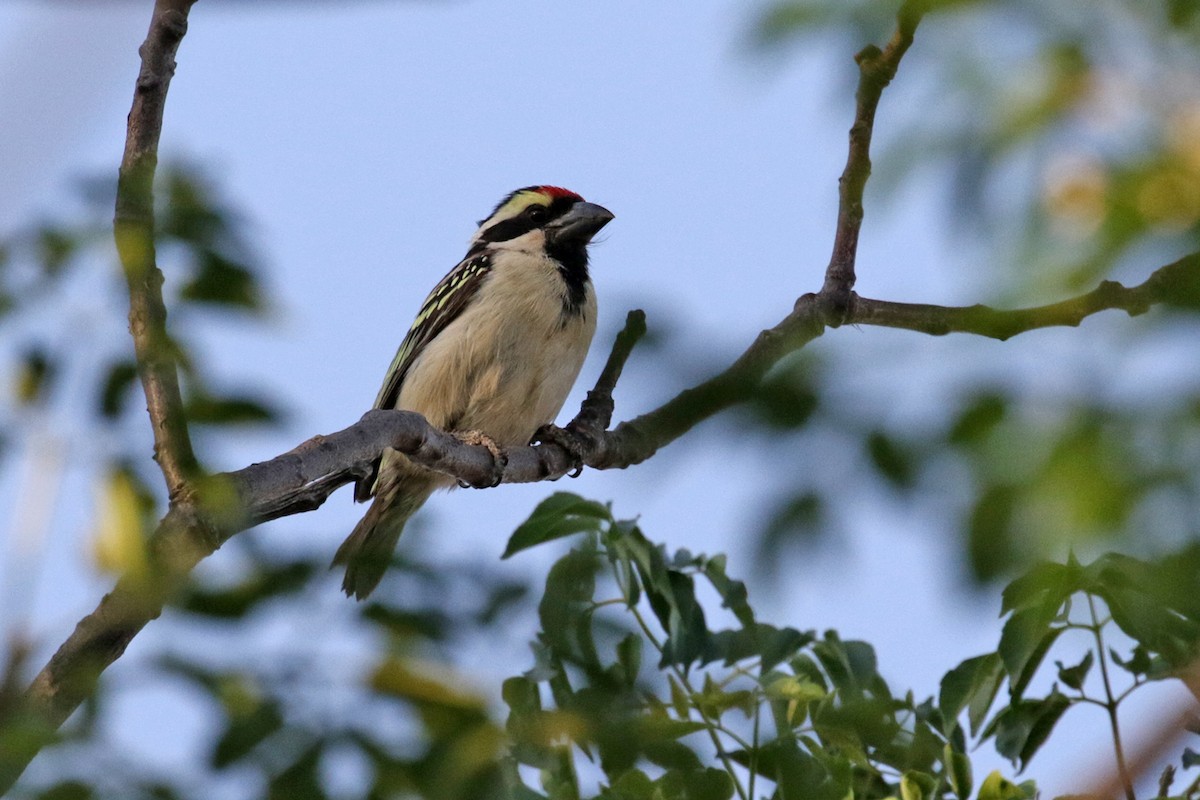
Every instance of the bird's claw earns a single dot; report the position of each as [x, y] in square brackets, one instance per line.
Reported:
[567, 440]
[499, 458]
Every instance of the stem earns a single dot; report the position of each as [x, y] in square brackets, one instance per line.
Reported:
[710, 725]
[752, 753]
[1111, 704]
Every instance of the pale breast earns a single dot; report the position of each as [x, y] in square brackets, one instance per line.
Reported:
[506, 365]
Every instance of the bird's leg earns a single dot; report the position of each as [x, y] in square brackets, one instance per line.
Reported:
[567, 439]
[499, 459]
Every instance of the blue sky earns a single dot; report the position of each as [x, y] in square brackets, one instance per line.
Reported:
[363, 141]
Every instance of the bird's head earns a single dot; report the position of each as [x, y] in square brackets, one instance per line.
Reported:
[546, 218]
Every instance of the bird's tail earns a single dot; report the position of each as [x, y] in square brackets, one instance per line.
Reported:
[367, 551]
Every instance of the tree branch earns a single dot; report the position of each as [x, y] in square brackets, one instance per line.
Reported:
[876, 68]
[1177, 283]
[133, 228]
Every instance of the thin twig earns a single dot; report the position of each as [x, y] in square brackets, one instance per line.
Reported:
[1110, 705]
[133, 227]
[1177, 283]
[876, 68]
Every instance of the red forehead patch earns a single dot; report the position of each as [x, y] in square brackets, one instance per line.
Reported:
[558, 191]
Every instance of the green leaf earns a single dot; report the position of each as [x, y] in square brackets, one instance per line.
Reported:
[234, 602]
[695, 784]
[687, 631]
[629, 658]
[733, 593]
[996, 787]
[958, 771]
[1139, 662]
[978, 418]
[1045, 586]
[1146, 604]
[1024, 641]
[989, 532]
[521, 695]
[561, 514]
[972, 685]
[916, 785]
[632, 785]
[208, 409]
[679, 698]
[55, 246]
[300, 779]
[1021, 728]
[565, 610]
[891, 460]
[244, 731]
[1076, 675]
[221, 281]
[670, 754]
[114, 391]
[34, 376]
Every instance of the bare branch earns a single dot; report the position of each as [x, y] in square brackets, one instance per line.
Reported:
[876, 68]
[1176, 284]
[133, 227]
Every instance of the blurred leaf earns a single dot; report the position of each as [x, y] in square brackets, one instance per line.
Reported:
[501, 599]
[123, 522]
[407, 679]
[34, 376]
[989, 532]
[115, 389]
[266, 582]
[788, 397]
[245, 730]
[55, 247]
[430, 624]
[978, 418]
[561, 514]
[188, 211]
[203, 408]
[798, 518]
[301, 779]
[67, 790]
[220, 281]
[891, 460]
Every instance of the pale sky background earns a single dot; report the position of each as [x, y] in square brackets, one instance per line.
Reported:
[363, 140]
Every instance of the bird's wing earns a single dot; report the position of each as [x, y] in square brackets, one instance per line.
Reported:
[444, 304]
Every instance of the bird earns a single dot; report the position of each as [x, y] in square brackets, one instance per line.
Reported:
[491, 356]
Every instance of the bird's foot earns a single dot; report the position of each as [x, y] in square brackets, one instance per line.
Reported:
[499, 459]
[564, 438]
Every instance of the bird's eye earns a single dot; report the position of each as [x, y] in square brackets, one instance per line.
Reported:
[537, 213]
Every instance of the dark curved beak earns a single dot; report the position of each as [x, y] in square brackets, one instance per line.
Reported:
[578, 225]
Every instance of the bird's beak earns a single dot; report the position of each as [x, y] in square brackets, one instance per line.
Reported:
[578, 225]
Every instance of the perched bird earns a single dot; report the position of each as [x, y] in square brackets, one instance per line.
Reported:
[493, 353]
